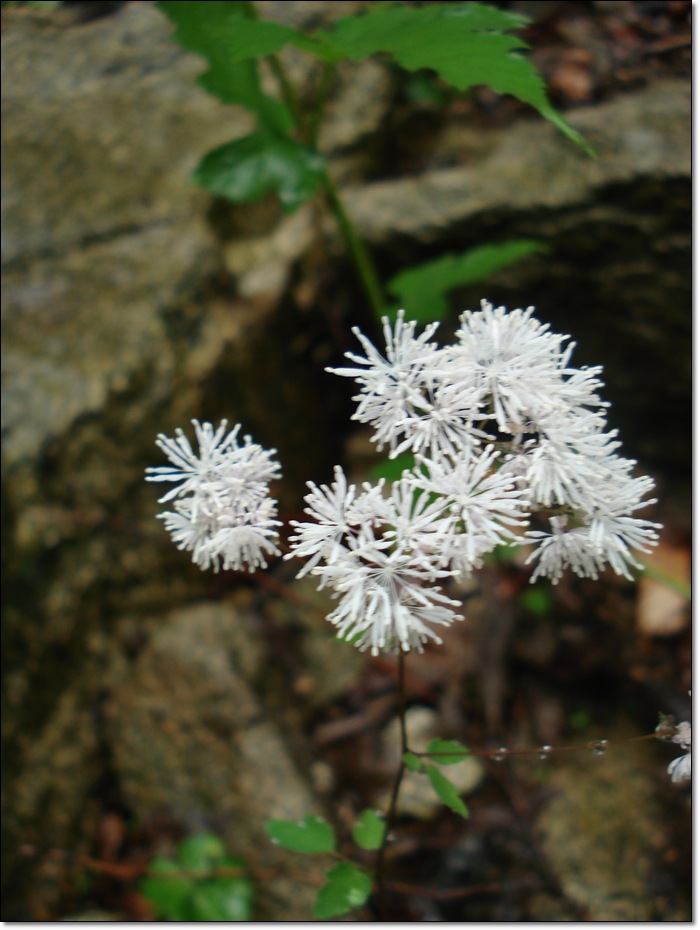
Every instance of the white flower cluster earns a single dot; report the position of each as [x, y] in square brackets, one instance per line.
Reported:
[503, 401]
[680, 769]
[383, 553]
[223, 513]
[502, 430]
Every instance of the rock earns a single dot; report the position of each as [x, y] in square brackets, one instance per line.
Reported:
[191, 739]
[532, 167]
[601, 830]
[663, 595]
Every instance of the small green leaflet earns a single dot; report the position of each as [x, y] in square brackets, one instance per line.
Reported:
[175, 891]
[455, 752]
[222, 900]
[423, 291]
[347, 886]
[169, 894]
[310, 835]
[446, 791]
[412, 762]
[368, 832]
[248, 168]
[200, 852]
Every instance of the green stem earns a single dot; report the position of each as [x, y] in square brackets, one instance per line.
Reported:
[358, 251]
[324, 87]
[288, 92]
[380, 871]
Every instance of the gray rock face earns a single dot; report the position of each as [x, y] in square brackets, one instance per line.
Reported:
[534, 168]
[190, 739]
[601, 831]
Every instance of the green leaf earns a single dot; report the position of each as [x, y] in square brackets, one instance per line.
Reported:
[246, 169]
[201, 852]
[310, 835]
[456, 752]
[348, 886]
[168, 895]
[446, 791]
[392, 469]
[537, 601]
[412, 762]
[222, 899]
[368, 832]
[423, 291]
[185, 897]
[467, 44]
[229, 40]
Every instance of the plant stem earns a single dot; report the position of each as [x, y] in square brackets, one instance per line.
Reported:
[358, 250]
[380, 871]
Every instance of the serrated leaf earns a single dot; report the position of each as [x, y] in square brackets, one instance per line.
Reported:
[368, 832]
[467, 44]
[310, 835]
[222, 899]
[412, 762]
[246, 169]
[455, 752]
[347, 886]
[422, 291]
[169, 896]
[228, 39]
[446, 791]
[201, 852]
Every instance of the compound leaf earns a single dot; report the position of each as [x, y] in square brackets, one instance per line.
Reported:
[347, 886]
[422, 291]
[446, 791]
[368, 832]
[248, 168]
[310, 835]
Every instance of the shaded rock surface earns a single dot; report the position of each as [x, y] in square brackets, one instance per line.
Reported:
[190, 738]
[132, 303]
[602, 830]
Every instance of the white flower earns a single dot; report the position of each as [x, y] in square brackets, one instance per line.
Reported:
[680, 769]
[386, 600]
[482, 504]
[395, 389]
[376, 554]
[514, 356]
[338, 514]
[562, 549]
[222, 512]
